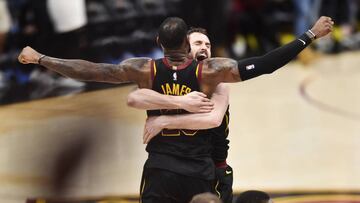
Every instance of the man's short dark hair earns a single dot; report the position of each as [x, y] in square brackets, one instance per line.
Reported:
[197, 29]
[253, 196]
[172, 32]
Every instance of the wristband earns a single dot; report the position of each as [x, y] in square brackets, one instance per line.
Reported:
[40, 58]
[311, 35]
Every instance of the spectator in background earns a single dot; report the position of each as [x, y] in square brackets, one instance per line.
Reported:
[213, 15]
[344, 14]
[5, 23]
[254, 196]
[4, 29]
[251, 22]
[306, 13]
[205, 198]
[69, 20]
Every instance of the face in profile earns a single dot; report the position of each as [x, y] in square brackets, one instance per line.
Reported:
[200, 46]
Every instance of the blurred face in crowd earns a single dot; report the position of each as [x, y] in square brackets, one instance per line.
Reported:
[200, 46]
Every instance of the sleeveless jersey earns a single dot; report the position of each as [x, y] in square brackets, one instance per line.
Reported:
[186, 152]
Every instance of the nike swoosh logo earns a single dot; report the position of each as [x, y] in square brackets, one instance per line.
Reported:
[302, 41]
[228, 172]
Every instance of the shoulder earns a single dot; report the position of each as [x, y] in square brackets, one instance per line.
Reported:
[137, 63]
[219, 64]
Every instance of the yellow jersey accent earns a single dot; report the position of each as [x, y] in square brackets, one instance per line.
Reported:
[142, 190]
[175, 134]
[187, 132]
[197, 71]
[154, 69]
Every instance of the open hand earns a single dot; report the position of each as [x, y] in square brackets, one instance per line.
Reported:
[196, 102]
[152, 127]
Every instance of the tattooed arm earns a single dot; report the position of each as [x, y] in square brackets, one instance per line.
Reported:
[131, 70]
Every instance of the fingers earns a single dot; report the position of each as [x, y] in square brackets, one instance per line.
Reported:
[205, 100]
[329, 27]
[327, 20]
[202, 94]
[149, 136]
[20, 59]
[206, 109]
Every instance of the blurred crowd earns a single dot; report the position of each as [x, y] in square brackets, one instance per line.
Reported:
[112, 30]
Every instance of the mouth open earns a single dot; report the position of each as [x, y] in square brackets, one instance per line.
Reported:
[201, 56]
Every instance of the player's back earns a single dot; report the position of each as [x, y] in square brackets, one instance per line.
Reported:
[183, 151]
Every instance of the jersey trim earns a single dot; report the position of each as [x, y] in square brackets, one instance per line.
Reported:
[199, 72]
[180, 67]
[222, 164]
[152, 72]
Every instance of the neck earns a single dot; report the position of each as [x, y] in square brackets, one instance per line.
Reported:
[175, 57]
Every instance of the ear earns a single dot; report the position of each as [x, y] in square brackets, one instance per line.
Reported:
[187, 43]
[157, 41]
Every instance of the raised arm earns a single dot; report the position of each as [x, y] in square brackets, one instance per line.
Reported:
[130, 70]
[196, 121]
[195, 102]
[228, 70]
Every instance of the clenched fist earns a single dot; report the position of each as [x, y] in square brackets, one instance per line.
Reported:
[323, 26]
[29, 55]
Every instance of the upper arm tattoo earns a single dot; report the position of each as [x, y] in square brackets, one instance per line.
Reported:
[127, 71]
[133, 69]
[224, 69]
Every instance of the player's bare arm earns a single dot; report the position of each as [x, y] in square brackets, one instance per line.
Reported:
[130, 70]
[194, 102]
[218, 70]
[195, 121]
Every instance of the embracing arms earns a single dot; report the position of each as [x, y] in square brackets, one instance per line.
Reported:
[196, 121]
[195, 102]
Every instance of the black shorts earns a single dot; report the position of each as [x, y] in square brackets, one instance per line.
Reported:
[224, 182]
[162, 186]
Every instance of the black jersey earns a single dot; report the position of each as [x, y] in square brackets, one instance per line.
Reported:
[220, 143]
[186, 152]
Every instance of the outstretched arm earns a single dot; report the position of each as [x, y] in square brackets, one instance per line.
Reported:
[130, 70]
[195, 102]
[197, 121]
[229, 70]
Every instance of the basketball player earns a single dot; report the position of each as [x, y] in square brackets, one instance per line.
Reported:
[148, 99]
[167, 177]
